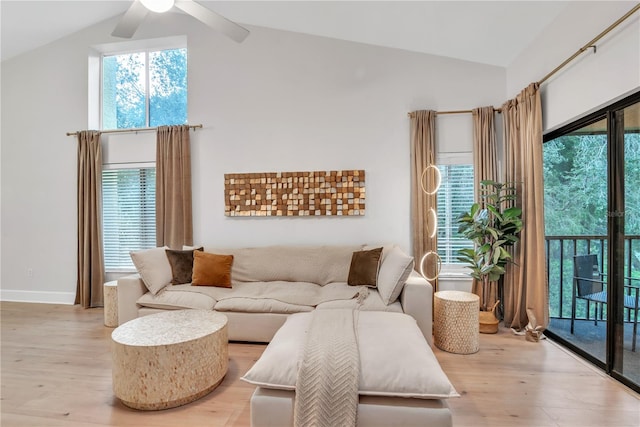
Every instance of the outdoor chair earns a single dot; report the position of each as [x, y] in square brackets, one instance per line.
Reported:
[590, 285]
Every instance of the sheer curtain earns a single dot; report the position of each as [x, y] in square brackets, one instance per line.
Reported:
[174, 219]
[485, 167]
[423, 153]
[525, 286]
[90, 257]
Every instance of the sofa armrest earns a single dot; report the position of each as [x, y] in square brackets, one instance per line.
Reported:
[130, 288]
[417, 301]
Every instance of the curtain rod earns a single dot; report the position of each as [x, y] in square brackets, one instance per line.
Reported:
[591, 44]
[136, 130]
[587, 46]
[441, 113]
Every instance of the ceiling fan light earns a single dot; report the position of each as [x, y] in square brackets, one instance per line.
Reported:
[158, 6]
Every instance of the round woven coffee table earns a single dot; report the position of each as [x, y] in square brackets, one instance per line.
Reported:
[456, 322]
[169, 359]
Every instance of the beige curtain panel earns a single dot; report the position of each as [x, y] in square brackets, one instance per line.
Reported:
[174, 219]
[423, 154]
[485, 167]
[525, 286]
[90, 257]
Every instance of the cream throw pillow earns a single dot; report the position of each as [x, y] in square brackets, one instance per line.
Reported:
[394, 271]
[395, 359]
[153, 267]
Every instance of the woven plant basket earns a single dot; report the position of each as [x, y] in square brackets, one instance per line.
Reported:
[489, 321]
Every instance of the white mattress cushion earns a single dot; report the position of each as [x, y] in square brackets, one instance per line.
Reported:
[395, 359]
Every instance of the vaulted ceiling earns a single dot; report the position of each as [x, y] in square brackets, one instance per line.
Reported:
[491, 32]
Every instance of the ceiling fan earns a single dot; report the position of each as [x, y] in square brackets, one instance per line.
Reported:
[140, 8]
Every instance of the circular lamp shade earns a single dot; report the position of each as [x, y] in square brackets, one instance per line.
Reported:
[434, 265]
[432, 223]
[435, 178]
[158, 6]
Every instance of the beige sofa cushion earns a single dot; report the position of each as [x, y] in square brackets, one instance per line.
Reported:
[373, 302]
[312, 264]
[296, 293]
[262, 305]
[395, 359]
[176, 300]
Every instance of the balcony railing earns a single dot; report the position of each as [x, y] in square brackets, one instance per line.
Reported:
[560, 251]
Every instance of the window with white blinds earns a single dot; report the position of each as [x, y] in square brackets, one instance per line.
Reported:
[128, 214]
[454, 197]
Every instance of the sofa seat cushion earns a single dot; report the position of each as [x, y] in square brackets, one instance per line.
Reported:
[395, 359]
[263, 305]
[373, 302]
[176, 300]
[296, 293]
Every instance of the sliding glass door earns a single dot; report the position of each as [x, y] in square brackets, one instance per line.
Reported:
[627, 136]
[592, 221]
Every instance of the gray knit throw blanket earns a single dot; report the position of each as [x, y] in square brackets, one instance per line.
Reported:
[329, 374]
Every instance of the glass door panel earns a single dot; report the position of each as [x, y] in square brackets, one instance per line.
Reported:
[576, 207]
[592, 226]
[631, 283]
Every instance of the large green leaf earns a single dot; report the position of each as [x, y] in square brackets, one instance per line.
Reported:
[512, 213]
[491, 229]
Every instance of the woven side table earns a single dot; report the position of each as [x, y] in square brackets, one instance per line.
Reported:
[110, 293]
[456, 323]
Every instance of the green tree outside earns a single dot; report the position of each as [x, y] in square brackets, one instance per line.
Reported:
[575, 202]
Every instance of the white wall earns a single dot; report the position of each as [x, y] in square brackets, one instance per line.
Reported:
[278, 102]
[592, 79]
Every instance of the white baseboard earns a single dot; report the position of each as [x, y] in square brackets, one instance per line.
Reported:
[37, 296]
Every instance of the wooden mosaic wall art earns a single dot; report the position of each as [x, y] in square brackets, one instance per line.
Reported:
[338, 193]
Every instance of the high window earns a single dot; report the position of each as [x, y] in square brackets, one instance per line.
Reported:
[144, 89]
[454, 197]
[142, 84]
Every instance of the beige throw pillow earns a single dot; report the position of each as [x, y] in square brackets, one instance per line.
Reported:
[394, 271]
[153, 267]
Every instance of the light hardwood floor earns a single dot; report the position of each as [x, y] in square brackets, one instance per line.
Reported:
[56, 371]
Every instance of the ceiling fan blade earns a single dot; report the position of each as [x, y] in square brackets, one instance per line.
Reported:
[130, 20]
[214, 20]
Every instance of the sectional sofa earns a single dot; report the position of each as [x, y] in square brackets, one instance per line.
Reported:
[277, 294]
[269, 283]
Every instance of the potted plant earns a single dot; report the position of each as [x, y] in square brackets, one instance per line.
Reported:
[492, 227]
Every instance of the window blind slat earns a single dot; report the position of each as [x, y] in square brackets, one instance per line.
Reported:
[455, 196]
[128, 214]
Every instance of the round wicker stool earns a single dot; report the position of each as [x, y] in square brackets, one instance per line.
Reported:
[456, 323]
